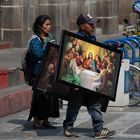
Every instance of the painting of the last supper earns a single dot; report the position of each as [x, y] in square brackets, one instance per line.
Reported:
[88, 64]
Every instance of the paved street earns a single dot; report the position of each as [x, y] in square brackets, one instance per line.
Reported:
[126, 123]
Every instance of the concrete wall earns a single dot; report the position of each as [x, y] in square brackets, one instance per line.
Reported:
[17, 16]
[11, 24]
[16, 20]
[58, 10]
[80, 6]
[126, 11]
[107, 12]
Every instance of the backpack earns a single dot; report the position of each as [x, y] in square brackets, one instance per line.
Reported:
[27, 66]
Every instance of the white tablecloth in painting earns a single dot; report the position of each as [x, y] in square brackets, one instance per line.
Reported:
[90, 79]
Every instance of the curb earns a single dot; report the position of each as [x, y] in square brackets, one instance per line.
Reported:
[5, 45]
[3, 78]
[11, 77]
[15, 101]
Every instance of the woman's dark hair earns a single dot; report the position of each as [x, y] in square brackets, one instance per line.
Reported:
[39, 21]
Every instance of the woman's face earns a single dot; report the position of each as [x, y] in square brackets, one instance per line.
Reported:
[46, 26]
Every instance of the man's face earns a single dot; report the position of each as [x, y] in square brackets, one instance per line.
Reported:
[88, 28]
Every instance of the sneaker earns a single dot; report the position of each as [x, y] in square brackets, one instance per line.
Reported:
[104, 133]
[69, 132]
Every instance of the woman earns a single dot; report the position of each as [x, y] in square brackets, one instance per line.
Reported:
[42, 107]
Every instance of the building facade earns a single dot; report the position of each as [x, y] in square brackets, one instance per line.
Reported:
[17, 16]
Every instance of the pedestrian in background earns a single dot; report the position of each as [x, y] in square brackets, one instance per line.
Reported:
[95, 103]
[43, 106]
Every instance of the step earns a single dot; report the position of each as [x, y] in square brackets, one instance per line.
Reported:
[11, 77]
[5, 45]
[15, 99]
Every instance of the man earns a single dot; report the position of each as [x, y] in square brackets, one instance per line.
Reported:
[95, 103]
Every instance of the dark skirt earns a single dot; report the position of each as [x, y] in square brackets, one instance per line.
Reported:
[43, 106]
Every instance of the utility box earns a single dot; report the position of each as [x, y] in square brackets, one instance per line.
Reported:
[122, 95]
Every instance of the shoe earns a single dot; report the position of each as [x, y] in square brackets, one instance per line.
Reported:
[104, 133]
[37, 126]
[69, 132]
[48, 125]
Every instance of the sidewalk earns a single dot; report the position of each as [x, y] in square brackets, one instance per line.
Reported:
[126, 124]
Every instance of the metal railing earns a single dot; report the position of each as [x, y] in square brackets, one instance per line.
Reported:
[131, 50]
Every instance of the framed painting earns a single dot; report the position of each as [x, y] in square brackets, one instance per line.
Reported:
[46, 79]
[48, 70]
[88, 64]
